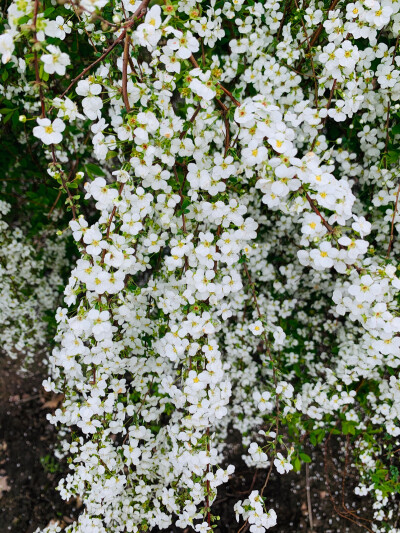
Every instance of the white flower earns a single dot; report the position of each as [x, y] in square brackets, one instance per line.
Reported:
[169, 58]
[57, 28]
[148, 34]
[131, 5]
[257, 328]
[201, 85]
[282, 465]
[184, 44]
[49, 132]
[55, 61]
[6, 46]
[361, 225]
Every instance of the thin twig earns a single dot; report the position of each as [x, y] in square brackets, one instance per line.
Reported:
[125, 74]
[317, 211]
[317, 32]
[224, 89]
[226, 122]
[191, 120]
[138, 14]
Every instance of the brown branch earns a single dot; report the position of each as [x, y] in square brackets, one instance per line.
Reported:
[317, 211]
[229, 94]
[283, 19]
[125, 74]
[226, 122]
[243, 526]
[328, 227]
[318, 32]
[224, 89]
[191, 120]
[352, 518]
[137, 15]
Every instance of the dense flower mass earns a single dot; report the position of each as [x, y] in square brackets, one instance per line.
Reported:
[237, 250]
[30, 274]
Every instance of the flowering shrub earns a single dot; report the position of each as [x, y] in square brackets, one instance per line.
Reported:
[30, 277]
[239, 267]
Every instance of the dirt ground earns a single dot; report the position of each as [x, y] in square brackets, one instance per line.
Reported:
[29, 474]
[28, 471]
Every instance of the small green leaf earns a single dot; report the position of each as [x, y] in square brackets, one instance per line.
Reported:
[7, 118]
[111, 154]
[396, 129]
[392, 156]
[348, 427]
[305, 458]
[94, 170]
[24, 19]
[49, 11]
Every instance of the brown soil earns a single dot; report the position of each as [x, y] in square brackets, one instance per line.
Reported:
[28, 499]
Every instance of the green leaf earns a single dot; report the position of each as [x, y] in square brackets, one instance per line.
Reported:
[305, 458]
[94, 170]
[185, 203]
[317, 436]
[110, 155]
[24, 19]
[7, 118]
[392, 156]
[4, 76]
[183, 209]
[15, 119]
[6, 110]
[237, 92]
[396, 129]
[348, 427]
[49, 11]
[297, 464]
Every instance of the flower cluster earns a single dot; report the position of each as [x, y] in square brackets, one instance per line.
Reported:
[237, 265]
[30, 277]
